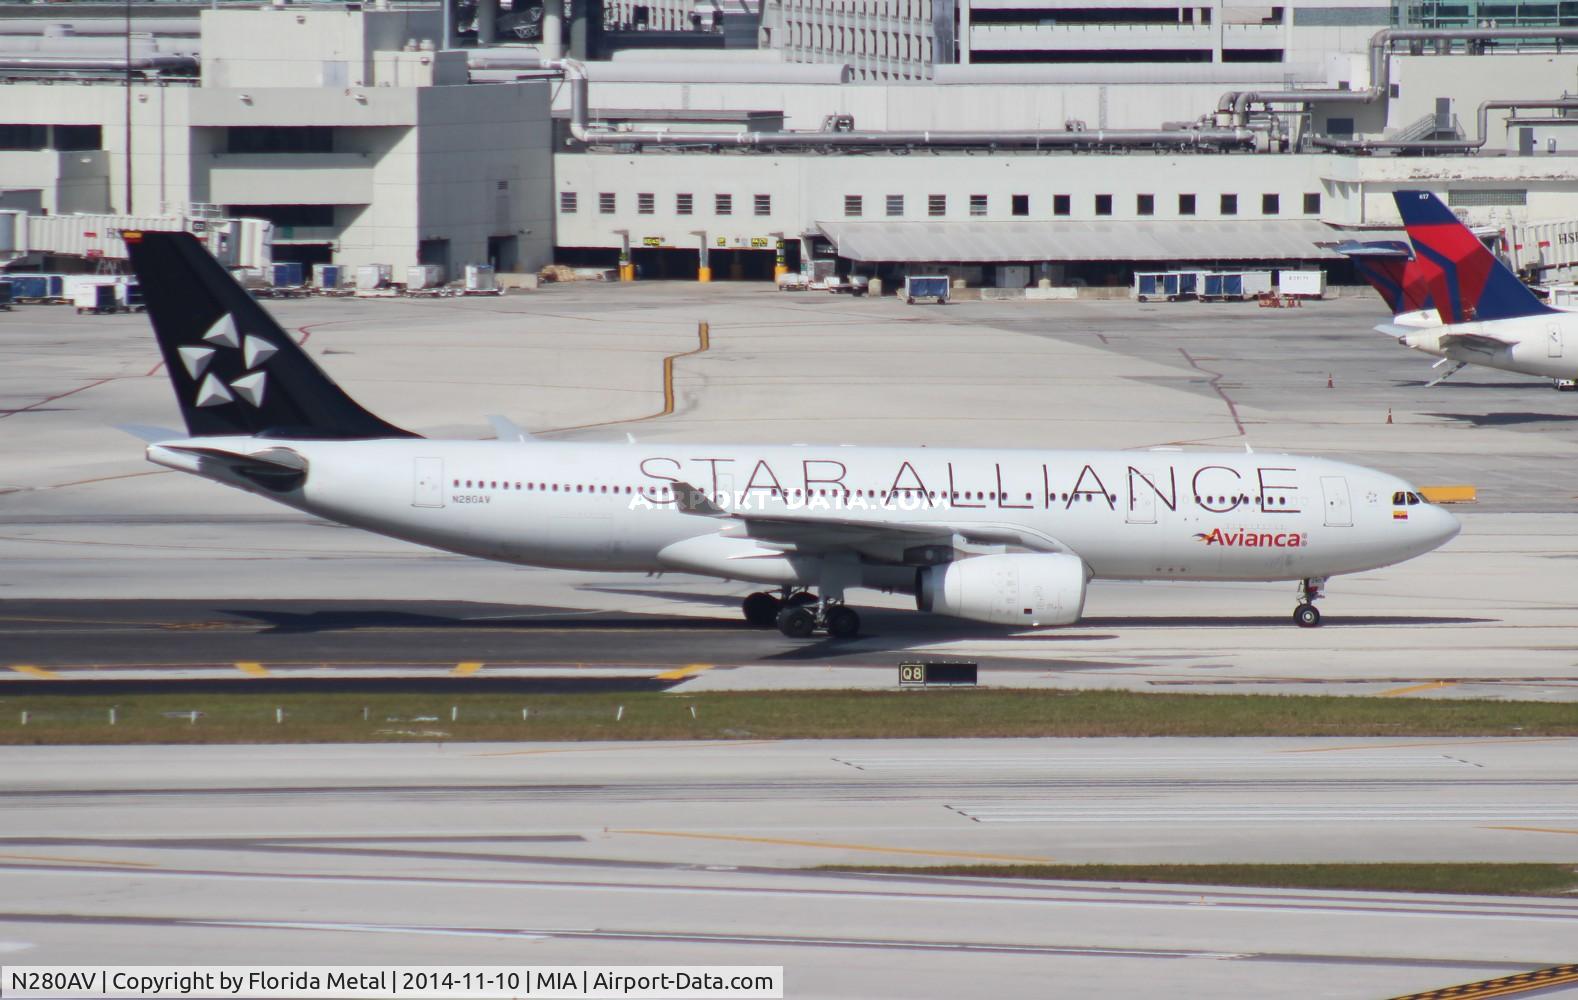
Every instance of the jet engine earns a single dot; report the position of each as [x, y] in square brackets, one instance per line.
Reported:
[1022, 589]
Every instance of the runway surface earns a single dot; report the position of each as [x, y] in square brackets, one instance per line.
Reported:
[164, 573]
[694, 854]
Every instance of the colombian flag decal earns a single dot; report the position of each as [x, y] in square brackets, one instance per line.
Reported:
[1399, 515]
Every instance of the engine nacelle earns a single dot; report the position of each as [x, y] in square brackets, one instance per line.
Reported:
[1022, 589]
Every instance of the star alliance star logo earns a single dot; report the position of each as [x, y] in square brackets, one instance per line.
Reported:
[254, 352]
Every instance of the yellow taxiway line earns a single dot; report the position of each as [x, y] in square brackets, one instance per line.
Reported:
[1534, 829]
[688, 670]
[465, 669]
[75, 861]
[1410, 689]
[827, 846]
[32, 671]
[252, 669]
[1522, 982]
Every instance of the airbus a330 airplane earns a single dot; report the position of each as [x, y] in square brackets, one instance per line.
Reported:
[992, 535]
[1454, 299]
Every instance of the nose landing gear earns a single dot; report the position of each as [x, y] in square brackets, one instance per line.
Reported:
[1306, 615]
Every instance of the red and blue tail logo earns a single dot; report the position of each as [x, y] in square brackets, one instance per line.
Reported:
[1465, 281]
[1391, 269]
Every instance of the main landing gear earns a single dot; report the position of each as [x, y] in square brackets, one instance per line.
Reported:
[1306, 615]
[799, 614]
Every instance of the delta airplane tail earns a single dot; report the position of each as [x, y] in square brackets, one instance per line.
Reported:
[1392, 270]
[235, 371]
[1464, 280]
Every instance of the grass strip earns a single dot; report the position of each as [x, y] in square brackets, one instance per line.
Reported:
[338, 717]
[1468, 879]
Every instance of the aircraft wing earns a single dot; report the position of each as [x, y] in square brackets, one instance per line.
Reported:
[875, 535]
[1483, 342]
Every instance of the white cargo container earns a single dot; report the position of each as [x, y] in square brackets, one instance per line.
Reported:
[1305, 284]
[99, 298]
[373, 276]
[480, 280]
[420, 276]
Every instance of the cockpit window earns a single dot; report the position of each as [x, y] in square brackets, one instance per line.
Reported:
[1413, 499]
[1399, 498]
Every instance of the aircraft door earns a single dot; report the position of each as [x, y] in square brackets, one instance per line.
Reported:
[1339, 511]
[1553, 340]
[1142, 496]
[428, 485]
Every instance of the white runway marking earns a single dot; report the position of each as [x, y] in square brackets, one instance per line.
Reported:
[1258, 812]
[1054, 760]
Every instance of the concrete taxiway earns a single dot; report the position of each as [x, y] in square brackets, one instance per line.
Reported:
[695, 854]
[83, 519]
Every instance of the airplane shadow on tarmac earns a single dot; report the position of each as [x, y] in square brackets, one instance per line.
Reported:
[1505, 419]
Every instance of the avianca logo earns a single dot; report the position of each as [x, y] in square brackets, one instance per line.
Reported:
[1242, 539]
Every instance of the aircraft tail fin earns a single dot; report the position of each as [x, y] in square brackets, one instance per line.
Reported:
[235, 371]
[1466, 280]
[1390, 268]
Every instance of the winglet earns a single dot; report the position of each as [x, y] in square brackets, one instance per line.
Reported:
[506, 429]
[691, 500]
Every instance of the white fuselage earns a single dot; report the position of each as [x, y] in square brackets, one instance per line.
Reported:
[1128, 515]
[1545, 345]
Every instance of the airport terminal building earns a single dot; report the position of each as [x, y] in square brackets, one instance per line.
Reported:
[1137, 140]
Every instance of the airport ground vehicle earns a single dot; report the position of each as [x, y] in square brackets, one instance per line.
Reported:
[934, 287]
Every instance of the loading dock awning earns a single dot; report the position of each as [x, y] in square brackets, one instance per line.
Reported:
[1010, 242]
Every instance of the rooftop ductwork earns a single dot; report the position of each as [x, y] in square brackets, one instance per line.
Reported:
[1446, 145]
[1239, 102]
[1193, 137]
[93, 64]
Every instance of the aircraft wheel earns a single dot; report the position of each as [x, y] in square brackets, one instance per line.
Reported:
[843, 622]
[801, 599]
[761, 610]
[1306, 616]
[796, 622]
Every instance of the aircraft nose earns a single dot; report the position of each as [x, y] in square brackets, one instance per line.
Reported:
[1441, 526]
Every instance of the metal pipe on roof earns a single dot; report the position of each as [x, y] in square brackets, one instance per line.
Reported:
[1448, 145]
[99, 26]
[159, 63]
[1380, 50]
[663, 71]
[575, 76]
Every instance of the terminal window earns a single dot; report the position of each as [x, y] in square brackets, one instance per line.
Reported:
[1229, 204]
[1186, 204]
[684, 204]
[895, 205]
[853, 206]
[1061, 204]
[764, 204]
[24, 136]
[1312, 203]
[646, 204]
[1145, 204]
[1021, 204]
[1104, 204]
[279, 139]
[606, 202]
[1270, 204]
[78, 138]
[977, 204]
[936, 204]
[723, 204]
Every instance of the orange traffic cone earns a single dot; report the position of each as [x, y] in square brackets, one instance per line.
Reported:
[1388, 414]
